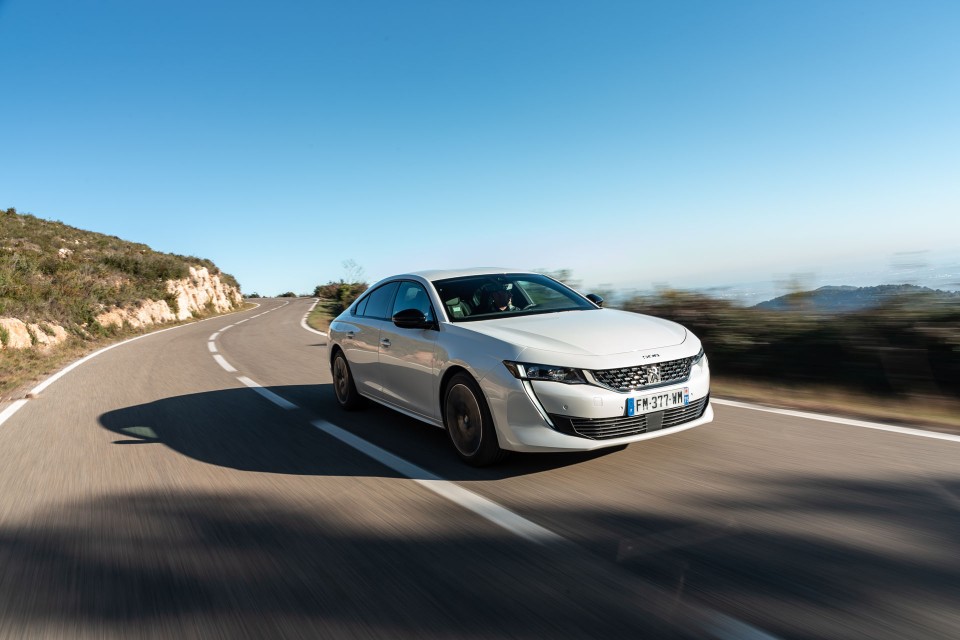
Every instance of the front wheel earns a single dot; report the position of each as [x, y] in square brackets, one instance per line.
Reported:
[343, 384]
[469, 423]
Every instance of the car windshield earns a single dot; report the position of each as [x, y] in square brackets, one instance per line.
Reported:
[484, 297]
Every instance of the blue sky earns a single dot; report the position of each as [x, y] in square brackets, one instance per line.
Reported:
[634, 143]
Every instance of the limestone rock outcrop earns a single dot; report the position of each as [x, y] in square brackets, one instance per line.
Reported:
[195, 295]
[199, 293]
[16, 334]
[146, 313]
[201, 289]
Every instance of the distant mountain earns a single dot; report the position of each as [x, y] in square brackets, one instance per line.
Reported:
[849, 299]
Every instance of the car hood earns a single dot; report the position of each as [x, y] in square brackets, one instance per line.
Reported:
[597, 332]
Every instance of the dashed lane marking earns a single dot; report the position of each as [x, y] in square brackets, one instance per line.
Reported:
[15, 406]
[281, 402]
[223, 363]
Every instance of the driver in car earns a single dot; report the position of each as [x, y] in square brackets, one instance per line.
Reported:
[502, 300]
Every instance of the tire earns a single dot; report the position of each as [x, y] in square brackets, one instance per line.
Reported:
[343, 385]
[469, 424]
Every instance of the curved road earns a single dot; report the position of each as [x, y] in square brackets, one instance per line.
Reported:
[201, 482]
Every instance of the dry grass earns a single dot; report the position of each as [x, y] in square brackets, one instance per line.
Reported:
[322, 315]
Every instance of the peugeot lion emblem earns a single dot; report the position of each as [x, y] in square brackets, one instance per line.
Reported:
[653, 374]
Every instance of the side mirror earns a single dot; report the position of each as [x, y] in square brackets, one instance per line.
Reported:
[411, 319]
[595, 299]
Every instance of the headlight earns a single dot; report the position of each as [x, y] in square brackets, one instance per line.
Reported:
[527, 371]
[699, 357]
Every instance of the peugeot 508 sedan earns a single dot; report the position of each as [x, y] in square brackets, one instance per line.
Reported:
[512, 361]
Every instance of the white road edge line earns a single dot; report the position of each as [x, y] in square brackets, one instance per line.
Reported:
[303, 321]
[212, 346]
[483, 507]
[214, 336]
[283, 403]
[12, 409]
[844, 421]
[223, 363]
[15, 406]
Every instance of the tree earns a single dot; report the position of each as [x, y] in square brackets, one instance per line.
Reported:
[353, 272]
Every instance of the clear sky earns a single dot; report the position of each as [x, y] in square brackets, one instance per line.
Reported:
[679, 142]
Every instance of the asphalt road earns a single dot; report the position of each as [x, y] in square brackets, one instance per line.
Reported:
[151, 492]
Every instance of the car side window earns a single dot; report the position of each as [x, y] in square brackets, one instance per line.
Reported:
[379, 302]
[361, 305]
[412, 295]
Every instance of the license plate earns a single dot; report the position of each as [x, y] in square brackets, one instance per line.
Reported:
[658, 401]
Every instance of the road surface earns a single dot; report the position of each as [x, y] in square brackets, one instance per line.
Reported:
[202, 482]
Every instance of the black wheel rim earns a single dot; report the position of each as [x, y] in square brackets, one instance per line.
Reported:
[341, 379]
[464, 421]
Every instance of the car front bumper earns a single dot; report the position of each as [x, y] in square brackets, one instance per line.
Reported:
[552, 416]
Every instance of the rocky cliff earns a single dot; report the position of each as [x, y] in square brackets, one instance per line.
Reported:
[198, 294]
[193, 296]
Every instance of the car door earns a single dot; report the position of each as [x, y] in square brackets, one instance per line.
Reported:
[407, 356]
[361, 338]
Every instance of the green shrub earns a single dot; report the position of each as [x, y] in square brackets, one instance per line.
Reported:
[173, 302]
[341, 293]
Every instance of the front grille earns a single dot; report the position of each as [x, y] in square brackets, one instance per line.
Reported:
[679, 415]
[644, 376]
[622, 426]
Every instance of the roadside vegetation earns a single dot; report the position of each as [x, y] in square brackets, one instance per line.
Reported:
[52, 273]
[334, 298]
[336, 295]
[896, 361]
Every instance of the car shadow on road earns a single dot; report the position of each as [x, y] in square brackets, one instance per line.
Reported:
[180, 561]
[235, 564]
[238, 428]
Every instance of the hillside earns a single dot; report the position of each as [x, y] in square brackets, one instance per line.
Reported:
[62, 284]
[833, 299]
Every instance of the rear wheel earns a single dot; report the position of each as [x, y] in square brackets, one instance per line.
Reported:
[469, 423]
[343, 384]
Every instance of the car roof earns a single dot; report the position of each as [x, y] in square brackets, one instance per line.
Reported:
[443, 274]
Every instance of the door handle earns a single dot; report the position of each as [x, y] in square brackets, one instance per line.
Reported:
[350, 335]
[384, 342]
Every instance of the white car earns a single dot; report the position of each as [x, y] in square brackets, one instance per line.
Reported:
[509, 361]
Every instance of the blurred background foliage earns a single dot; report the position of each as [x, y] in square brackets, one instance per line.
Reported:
[340, 294]
[908, 344]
